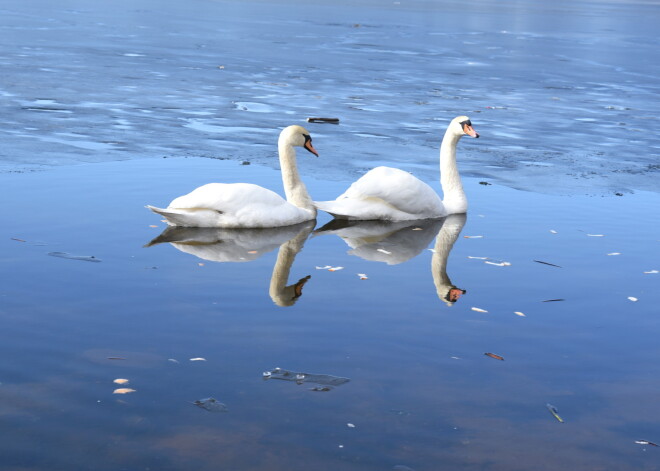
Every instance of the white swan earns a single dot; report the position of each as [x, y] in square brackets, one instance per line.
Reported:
[245, 205]
[392, 194]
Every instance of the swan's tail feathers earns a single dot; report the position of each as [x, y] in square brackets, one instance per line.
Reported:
[332, 209]
[178, 217]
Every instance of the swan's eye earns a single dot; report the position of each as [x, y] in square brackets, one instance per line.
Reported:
[466, 123]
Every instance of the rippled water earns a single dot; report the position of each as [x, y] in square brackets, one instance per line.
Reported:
[561, 282]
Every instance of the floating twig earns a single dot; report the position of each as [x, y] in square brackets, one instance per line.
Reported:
[494, 355]
[547, 263]
[553, 411]
[323, 120]
[645, 442]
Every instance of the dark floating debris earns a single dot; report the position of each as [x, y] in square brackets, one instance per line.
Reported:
[323, 120]
[494, 355]
[553, 411]
[645, 442]
[553, 300]
[211, 405]
[485, 183]
[116, 358]
[245, 162]
[84, 258]
[547, 263]
[327, 382]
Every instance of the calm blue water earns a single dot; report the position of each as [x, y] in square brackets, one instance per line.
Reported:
[93, 99]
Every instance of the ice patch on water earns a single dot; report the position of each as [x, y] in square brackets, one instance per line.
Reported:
[199, 125]
[81, 144]
[254, 107]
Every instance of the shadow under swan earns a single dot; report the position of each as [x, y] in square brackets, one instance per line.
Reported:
[245, 245]
[397, 242]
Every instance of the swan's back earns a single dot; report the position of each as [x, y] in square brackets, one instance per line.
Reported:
[386, 193]
[232, 205]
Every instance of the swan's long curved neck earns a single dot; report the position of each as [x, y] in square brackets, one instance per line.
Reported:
[294, 189]
[280, 293]
[444, 242]
[454, 199]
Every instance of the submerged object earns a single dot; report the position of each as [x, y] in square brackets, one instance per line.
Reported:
[553, 411]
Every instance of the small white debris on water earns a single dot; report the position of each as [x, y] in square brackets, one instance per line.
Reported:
[632, 298]
[335, 268]
[500, 264]
[350, 425]
[650, 272]
[614, 253]
[198, 359]
[552, 231]
[478, 309]
[518, 313]
[596, 235]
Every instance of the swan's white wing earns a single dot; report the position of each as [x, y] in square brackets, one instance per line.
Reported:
[386, 193]
[232, 205]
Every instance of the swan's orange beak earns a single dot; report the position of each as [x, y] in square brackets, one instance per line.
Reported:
[469, 130]
[310, 147]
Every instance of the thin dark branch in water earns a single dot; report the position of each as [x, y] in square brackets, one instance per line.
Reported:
[546, 263]
[552, 300]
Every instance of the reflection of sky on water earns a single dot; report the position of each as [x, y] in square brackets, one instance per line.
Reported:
[563, 94]
[421, 392]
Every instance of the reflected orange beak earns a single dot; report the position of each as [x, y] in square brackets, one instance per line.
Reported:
[469, 130]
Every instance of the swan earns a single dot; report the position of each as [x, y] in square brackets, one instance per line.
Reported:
[395, 195]
[245, 205]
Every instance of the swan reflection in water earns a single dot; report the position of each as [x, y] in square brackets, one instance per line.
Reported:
[397, 242]
[245, 245]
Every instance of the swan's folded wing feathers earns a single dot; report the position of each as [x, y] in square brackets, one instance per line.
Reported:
[386, 193]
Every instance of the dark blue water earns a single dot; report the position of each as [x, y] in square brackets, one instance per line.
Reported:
[123, 87]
